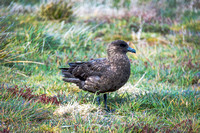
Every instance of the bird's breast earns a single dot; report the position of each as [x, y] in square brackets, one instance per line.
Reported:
[116, 75]
[121, 72]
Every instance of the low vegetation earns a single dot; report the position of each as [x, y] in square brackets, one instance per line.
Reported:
[56, 10]
[162, 94]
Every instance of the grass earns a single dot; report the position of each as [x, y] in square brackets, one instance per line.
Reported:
[162, 94]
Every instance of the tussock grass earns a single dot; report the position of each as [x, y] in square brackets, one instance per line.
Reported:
[56, 10]
[162, 94]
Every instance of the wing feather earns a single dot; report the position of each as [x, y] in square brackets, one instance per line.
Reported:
[83, 70]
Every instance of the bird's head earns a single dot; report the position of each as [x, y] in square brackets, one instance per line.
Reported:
[119, 46]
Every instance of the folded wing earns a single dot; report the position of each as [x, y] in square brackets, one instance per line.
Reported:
[79, 72]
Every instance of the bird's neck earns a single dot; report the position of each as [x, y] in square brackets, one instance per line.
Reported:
[119, 60]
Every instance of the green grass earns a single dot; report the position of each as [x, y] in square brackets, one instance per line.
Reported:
[162, 94]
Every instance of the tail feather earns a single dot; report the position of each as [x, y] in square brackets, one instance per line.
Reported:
[72, 80]
[64, 69]
[74, 64]
[66, 73]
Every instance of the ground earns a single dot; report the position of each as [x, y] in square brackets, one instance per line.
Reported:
[36, 39]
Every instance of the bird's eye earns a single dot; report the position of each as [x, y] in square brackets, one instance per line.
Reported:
[122, 45]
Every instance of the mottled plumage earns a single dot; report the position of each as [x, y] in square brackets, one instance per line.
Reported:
[104, 74]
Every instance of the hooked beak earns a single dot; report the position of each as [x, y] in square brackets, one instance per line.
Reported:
[131, 50]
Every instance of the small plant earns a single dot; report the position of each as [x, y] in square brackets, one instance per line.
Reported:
[57, 10]
[26, 93]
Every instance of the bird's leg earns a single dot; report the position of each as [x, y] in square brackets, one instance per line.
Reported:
[106, 107]
[98, 100]
[105, 100]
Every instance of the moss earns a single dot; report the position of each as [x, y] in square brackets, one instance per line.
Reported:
[118, 37]
[150, 27]
[193, 26]
[190, 29]
[193, 39]
[158, 28]
[152, 41]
